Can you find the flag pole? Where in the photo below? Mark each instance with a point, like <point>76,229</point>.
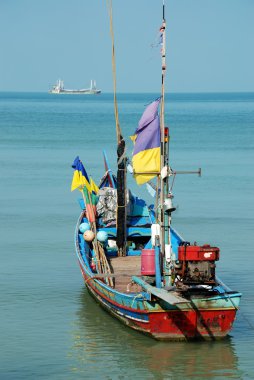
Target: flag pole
<point>102,262</point>
<point>165,211</point>
<point>93,225</point>
<point>162,127</point>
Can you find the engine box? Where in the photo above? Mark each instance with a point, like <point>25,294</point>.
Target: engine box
<point>199,272</point>
<point>198,253</point>
<point>196,264</point>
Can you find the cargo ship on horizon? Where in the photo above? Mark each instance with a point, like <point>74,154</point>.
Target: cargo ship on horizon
<point>58,88</point>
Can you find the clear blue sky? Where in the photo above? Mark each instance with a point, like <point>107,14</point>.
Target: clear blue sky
<point>209,44</point>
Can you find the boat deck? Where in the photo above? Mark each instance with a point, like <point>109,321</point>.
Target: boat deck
<point>124,268</point>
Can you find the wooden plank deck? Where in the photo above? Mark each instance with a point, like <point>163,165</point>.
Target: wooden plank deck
<point>125,268</point>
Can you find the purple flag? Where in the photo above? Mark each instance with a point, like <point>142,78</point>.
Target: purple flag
<point>149,137</point>
<point>148,131</point>
<point>149,114</point>
<point>146,153</point>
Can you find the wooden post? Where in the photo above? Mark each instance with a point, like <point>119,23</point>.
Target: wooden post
<point>121,200</point>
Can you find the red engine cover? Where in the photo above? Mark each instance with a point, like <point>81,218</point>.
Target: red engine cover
<point>198,253</point>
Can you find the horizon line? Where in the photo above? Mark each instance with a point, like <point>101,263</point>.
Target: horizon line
<point>134,92</point>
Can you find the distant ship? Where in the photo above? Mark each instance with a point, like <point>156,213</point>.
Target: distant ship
<point>58,88</point>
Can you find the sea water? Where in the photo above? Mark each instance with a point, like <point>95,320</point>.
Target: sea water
<point>50,326</point>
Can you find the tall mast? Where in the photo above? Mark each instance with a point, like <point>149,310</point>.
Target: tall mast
<point>165,197</point>
<point>121,159</point>
<point>162,124</point>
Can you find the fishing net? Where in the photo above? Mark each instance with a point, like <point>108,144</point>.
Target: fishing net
<point>107,204</point>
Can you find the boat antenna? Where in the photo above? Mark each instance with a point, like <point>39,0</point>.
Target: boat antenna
<point>121,157</point>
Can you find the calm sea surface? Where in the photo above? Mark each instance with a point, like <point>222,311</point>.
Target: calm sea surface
<point>50,326</point>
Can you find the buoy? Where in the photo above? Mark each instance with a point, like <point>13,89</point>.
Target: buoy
<point>102,236</point>
<point>84,227</point>
<point>88,235</point>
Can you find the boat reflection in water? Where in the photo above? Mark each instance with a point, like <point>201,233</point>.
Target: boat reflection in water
<point>102,347</point>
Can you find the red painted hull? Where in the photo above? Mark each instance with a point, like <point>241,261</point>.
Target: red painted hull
<point>175,325</point>
<point>187,325</point>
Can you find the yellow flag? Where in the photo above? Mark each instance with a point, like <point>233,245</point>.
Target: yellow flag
<point>94,187</point>
<point>76,183</point>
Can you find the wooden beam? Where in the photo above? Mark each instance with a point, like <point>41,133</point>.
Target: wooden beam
<point>113,275</point>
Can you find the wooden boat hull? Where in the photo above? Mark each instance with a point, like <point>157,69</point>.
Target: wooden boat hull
<point>176,294</point>
<point>201,319</point>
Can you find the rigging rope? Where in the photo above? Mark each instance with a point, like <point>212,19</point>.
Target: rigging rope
<point>118,130</point>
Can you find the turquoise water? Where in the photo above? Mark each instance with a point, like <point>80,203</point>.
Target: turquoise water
<point>50,327</point>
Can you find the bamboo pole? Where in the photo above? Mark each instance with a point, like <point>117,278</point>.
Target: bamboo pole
<point>107,269</point>
<point>121,157</point>
<point>93,225</point>
<point>118,130</point>
<point>101,258</point>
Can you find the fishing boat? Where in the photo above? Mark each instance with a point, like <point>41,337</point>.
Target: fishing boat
<point>134,263</point>
<point>58,88</point>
